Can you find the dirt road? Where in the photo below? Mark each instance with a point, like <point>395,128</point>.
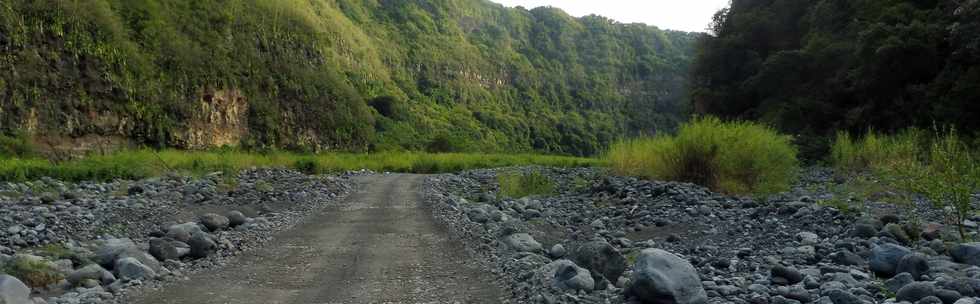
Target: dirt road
<point>379,246</point>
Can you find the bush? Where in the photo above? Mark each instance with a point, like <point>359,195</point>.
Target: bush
<point>33,273</point>
<point>16,146</point>
<point>518,185</point>
<point>874,151</point>
<point>731,157</point>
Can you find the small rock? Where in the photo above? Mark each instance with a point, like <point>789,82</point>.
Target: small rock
<point>557,251</point>
<point>201,246</point>
<point>522,242</point>
<point>968,253</point>
<point>133,269</point>
<point>914,264</point>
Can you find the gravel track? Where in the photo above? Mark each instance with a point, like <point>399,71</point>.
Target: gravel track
<point>380,245</point>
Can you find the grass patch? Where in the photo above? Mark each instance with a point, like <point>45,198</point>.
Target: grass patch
<point>518,185</point>
<point>138,164</point>
<point>941,167</point>
<point>731,157</point>
<point>33,273</point>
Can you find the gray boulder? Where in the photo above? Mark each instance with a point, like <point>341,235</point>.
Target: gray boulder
<point>968,253</point>
<point>236,218</point>
<point>896,283</point>
<point>522,242</point>
<point>662,277</point>
<point>91,272</point>
<point>601,258</point>
<point>13,291</point>
<point>183,232</point>
<point>133,269</point>
<point>915,291</point>
<point>110,250</point>
<point>564,274</point>
<point>201,246</point>
<point>885,257</point>
<point>215,222</point>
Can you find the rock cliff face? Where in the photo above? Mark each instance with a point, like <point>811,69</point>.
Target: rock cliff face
<point>456,74</point>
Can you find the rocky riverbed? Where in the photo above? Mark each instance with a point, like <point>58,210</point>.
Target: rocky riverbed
<point>94,242</point>
<point>609,239</point>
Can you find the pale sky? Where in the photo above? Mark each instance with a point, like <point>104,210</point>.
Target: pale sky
<point>683,15</point>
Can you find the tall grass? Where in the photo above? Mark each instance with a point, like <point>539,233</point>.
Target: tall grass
<point>940,167</point>
<point>732,157</point>
<point>146,163</point>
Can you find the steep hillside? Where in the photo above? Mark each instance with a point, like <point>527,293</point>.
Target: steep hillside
<point>333,74</point>
<point>814,67</point>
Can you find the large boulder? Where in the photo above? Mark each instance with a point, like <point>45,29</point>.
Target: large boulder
<point>183,232</point>
<point>133,269</point>
<point>91,272</point>
<point>564,274</point>
<point>522,242</point>
<point>141,256</point>
<point>215,222</point>
<point>13,291</point>
<point>885,257</point>
<point>662,277</point>
<point>968,253</point>
<point>110,250</point>
<point>201,245</point>
<point>601,258</point>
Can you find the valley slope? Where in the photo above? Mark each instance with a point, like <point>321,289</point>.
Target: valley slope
<point>440,75</point>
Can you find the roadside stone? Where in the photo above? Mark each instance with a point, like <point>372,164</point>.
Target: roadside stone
<point>13,291</point>
<point>564,274</point>
<point>168,249</point>
<point>236,218</point>
<point>662,277</point>
<point>183,232</point>
<point>601,258</point>
<point>111,249</point>
<point>133,269</point>
<point>522,242</point>
<point>214,222</point>
<point>838,296</point>
<point>201,246</point>
<point>91,272</point>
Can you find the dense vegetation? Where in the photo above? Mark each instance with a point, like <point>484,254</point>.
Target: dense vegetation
<point>815,67</point>
<point>438,75</point>
<point>732,157</point>
<point>148,163</point>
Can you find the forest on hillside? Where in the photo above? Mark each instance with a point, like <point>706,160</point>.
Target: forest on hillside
<point>815,67</point>
<point>439,75</point>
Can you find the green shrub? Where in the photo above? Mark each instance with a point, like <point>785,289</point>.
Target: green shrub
<point>33,273</point>
<point>518,185</point>
<point>952,177</point>
<point>18,146</point>
<point>731,157</point>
